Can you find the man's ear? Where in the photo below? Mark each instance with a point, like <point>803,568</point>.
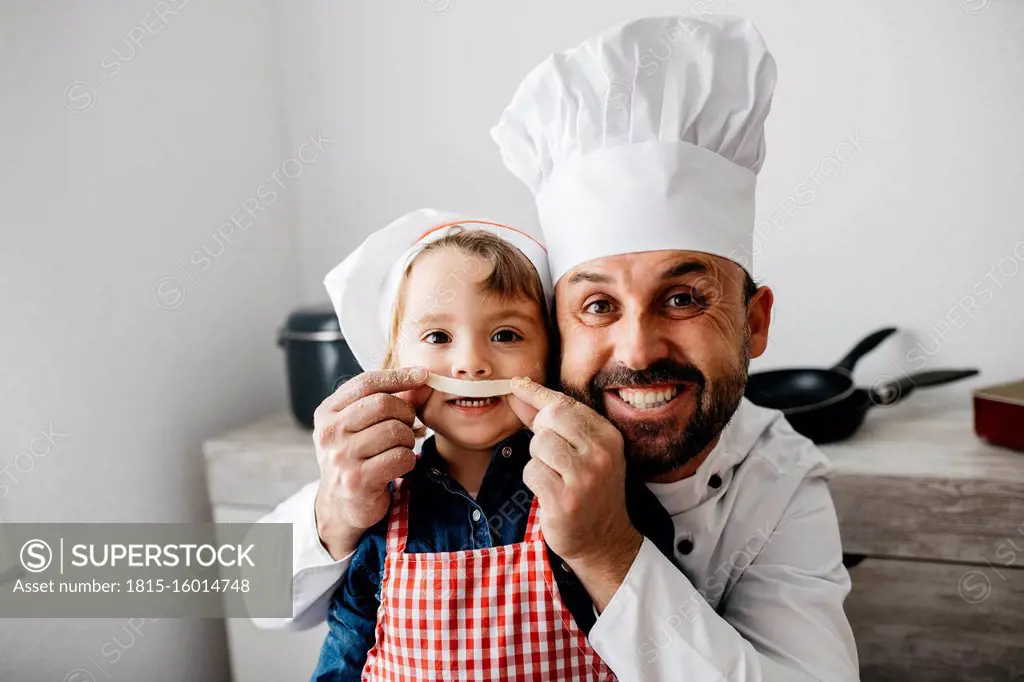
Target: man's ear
<point>759,318</point>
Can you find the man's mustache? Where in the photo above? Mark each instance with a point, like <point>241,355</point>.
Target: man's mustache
<point>660,372</point>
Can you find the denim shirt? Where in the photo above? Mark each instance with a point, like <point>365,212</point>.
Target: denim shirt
<point>443,517</point>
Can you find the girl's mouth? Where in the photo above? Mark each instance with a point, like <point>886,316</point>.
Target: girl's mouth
<point>473,406</point>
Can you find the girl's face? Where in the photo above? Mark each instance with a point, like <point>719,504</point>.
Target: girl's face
<point>451,327</point>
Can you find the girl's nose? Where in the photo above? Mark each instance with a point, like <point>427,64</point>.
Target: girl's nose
<point>466,371</point>
<point>471,364</point>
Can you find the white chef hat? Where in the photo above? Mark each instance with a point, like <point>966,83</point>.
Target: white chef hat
<point>646,137</point>
<point>364,286</point>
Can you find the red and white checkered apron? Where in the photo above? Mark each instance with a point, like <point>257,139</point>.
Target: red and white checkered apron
<point>479,614</point>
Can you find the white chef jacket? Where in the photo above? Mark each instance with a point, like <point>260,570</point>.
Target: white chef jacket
<point>760,595</point>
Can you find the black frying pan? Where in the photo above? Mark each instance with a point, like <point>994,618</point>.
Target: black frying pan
<point>839,420</point>
<point>824,404</point>
<point>796,390</point>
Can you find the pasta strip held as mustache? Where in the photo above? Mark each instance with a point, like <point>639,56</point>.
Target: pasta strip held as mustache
<point>469,389</point>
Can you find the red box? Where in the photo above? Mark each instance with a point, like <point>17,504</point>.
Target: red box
<point>999,414</point>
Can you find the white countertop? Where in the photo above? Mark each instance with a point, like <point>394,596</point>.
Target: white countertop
<point>261,463</point>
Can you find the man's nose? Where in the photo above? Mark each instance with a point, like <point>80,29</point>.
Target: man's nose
<point>639,341</point>
<point>470,361</point>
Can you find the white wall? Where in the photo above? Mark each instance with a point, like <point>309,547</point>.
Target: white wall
<point>898,235</point>
<point>98,207</point>
<point>109,186</point>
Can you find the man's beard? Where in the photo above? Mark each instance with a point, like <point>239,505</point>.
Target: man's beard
<point>658,447</point>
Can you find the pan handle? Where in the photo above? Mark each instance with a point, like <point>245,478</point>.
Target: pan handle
<point>867,345</point>
<point>894,391</point>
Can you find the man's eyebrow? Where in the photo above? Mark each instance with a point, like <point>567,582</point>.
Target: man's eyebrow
<point>678,270</point>
<point>585,276</point>
<point>684,268</point>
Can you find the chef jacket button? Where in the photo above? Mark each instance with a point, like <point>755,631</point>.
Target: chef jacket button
<point>506,452</point>
<point>565,567</point>
<point>715,481</point>
<point>685,546</point>
<point>435,472</point>
<point>476,514</point>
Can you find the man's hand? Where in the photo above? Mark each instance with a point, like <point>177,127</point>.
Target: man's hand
<point>364,440</point>
<point>577,472</point>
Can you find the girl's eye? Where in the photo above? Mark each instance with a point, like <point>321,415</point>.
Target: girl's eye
<point>598,307</point>
<point>437,337</point>
<point>506,336</point>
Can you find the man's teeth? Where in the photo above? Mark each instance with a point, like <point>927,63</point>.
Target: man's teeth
<point>473,402</point>
<point>643,398</point>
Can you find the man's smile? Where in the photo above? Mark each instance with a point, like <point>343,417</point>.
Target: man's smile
<point>653,401</point>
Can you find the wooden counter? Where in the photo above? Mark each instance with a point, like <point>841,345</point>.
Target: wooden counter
<point>939,516</point>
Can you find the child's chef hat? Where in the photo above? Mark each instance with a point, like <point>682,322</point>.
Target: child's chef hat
<point>646,137</point>
<point>363,287</point>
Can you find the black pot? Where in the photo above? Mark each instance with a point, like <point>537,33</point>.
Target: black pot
<point>317,358</point>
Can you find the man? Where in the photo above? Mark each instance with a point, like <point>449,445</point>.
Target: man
<point>641,147</point>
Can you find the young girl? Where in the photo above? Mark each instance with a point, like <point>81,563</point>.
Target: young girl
<point>456,581</point>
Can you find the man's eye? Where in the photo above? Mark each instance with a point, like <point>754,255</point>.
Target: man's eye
<point>681,300</point>
<point>599,307</point>
<point>506,336</point>
<point>436,337</point>
<point>687,299</point>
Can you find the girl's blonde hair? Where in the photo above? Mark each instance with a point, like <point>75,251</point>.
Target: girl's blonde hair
<point>513,277</point>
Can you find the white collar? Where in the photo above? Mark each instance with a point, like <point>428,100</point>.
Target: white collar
<point>737,440</point>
